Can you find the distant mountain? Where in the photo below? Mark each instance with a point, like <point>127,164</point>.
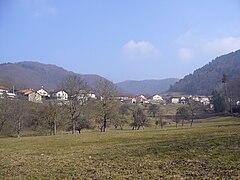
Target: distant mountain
<point>148,87</point>
<point>30,74</point>
<point>204,80</point>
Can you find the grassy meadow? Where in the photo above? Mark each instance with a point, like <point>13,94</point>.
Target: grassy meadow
<point>208,150</point>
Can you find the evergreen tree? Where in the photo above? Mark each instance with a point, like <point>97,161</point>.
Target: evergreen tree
<point>218,102</point>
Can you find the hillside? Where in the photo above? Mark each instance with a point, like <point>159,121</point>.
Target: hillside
<point>149,87</point>
<point>204,80</point>
<point>30,74</point>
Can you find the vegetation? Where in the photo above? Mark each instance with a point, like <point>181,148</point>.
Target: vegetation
<point>47,75</point>
<point>182,114</point>
<point>210,150</point>
<point>75,86</point>
<point>218,102</point>
<point>148,87</point>
<point>204,80</point>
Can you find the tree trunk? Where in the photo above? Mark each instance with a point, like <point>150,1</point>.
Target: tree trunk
<point>55,128</point>
<point>104,125</point>
<point>19,128</point>
<point>191,122</point>
<point>73,126</point>
<point>182,122</point>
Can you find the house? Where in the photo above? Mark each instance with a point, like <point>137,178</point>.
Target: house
<point>174,100</point>
<point>11,95</point>
<point>157,98</point>
<point>195,98</point>
<point>183,100</point>
<point>43,93</point>
<point>60,95</point>
<point>238,103</point>
<point>3,90</point>
<point>124,99</point>
<point>140,99</point>
<point>23,94</point>
<point>91,95</point>
<point>35,97</point>
<point>204,100</point>
<point>134,100</point>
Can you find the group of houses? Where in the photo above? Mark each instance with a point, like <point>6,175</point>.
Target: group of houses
<point>166,99</point>
<point>38,96</point>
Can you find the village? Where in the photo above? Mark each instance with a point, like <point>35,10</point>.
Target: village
<point>41,95</point>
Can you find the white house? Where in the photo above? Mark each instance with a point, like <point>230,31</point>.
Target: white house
<point>195,98</point>
<point>174,100</point>
<point>61,95</point>
<point>11,95</point>
<point>134,100</point>
<point>183,100</point>
<point>91,95</point>
<point>157,98</point>
<point>3,90</point>
<point>140,99</point>
<point>238,103</point>
<point>204,100</point>
<point>35,97</point>
<point>43,92</point>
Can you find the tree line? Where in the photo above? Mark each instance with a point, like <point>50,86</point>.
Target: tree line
<point>226,97</point>
<point>77,113</point>
<point>80,112</point>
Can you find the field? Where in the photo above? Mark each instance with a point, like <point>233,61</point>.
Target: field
<point>208,150</point>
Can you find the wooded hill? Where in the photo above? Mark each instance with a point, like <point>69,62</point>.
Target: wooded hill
<point>204,80</point>
<point>146,87</point>
<point>30,74</point>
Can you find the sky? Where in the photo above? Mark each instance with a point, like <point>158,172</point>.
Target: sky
<point>120,39</point>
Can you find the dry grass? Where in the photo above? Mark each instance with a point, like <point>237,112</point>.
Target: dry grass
<point>211,149</point>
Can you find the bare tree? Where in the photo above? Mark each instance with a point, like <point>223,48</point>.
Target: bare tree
<point>159,120</point>
<point>17,115</point>
<point>120,115</point>
<point>83,122</point>
<point>106,91</point>
<point>139,119</point>
<point>76,88</point>
<point>5,105</point>
<point>182,114</point>
<point>51,116</point>
<point>153,109</point>
<point>194,109</point>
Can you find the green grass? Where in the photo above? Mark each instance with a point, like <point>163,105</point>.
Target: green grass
<point>211,149</point>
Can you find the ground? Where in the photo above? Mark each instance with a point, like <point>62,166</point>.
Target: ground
<point>208,150</point>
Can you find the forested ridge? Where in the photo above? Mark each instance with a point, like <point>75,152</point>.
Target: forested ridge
<point>204,80</point>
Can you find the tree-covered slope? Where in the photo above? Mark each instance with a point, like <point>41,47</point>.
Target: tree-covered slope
<point>148,87</point>
<point>204,80</point>
<point>30,74</point>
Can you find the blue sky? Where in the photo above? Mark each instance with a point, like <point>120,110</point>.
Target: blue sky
<point>120,39</point>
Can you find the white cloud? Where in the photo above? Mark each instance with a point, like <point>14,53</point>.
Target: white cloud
<point>202,47</point>
<point>139,50</point>
<point>186,54</point>
<point>221,46</point>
